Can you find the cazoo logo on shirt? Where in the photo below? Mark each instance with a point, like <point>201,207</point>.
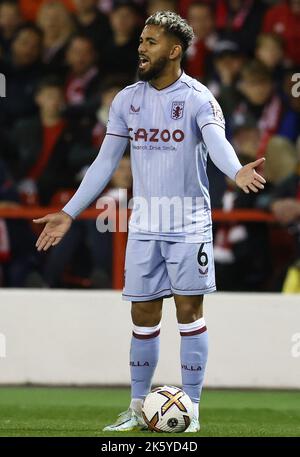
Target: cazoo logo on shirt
<point>156,135</point>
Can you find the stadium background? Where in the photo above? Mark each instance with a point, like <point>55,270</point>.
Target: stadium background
<point>63,62</point>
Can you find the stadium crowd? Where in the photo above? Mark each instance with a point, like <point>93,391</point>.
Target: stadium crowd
<point>63,63</point>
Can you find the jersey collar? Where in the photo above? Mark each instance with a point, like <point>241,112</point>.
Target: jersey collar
<point>171,87</point>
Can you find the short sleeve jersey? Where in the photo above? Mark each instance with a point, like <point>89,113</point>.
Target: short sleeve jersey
<point>168,157</point>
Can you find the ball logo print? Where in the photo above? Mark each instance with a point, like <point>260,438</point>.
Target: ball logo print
<point>172,400</point>
<point>172,422</point>
<point>167,409</point>
<point>152,423</point>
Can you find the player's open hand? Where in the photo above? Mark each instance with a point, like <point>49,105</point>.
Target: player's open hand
<point>248,179</point>
<point>57,225</point>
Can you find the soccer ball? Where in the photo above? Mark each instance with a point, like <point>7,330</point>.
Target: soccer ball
<point>167,409</point>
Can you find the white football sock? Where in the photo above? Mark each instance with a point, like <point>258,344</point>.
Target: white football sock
<point>196,410</point>
<point>136,404</point>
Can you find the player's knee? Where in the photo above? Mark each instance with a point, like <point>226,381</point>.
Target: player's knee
<point>189,312</point>
<point>146,314</point>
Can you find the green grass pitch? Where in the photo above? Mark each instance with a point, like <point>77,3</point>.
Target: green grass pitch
<point>31,411</point>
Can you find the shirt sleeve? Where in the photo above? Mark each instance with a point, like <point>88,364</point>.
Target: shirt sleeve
<point>210,113</point>
<point>98,174</point>
<point>220,150</point>
<point>116,125</point>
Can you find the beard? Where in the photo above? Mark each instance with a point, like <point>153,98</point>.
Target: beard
<point>154,71</point>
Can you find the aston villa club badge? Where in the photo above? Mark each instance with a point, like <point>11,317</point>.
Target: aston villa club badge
<point>177,110</point>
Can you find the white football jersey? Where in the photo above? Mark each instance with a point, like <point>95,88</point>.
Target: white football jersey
<point>168,157</point>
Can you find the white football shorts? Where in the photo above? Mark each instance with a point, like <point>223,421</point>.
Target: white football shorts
<point>155,269</point>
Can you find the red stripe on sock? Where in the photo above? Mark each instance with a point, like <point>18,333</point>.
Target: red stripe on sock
<point>146,337</point>
<point>194,332</point>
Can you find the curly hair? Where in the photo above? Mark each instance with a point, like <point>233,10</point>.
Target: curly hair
<point>173,24</point>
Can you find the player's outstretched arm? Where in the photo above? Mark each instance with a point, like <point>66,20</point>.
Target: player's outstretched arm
<point>93,183</point>
<point>225,158</point>
<point>57,225</point>
<point>248,179</point>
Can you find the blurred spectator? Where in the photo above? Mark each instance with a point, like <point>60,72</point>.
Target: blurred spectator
<point>246,139</point>
<point>228,61</point>
<point>280,156</point>
<point>261,101</point>
<point>56,23</point>
<point>93,131</point>
<point>269,51</point>
<point>240,21</point>
<point>241,263</point>
<point>84,239</point>
<point>22,75</point>
<point>284,19</point>
<point>183,6</point>
<point>43,155</point>
<point>8,153</point>
<point>108,93</point>
<point>10,20</point>
<point>120,56</point>
<point>91,22</point>
<point>161,5</point>
<point>83,77</point>
<point>286,209</point>
<point>281,160</point>
<point>30,8</point>
<point>106,6</point>
<point>289,96</point>
<point>18,259</point>
<point>200,17</point>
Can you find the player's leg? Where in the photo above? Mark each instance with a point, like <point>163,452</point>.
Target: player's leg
<point>144,349</point>
<point>193,347</point>
<point>191,273</point>
<point>144,352</point>
<point>146,283</point>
